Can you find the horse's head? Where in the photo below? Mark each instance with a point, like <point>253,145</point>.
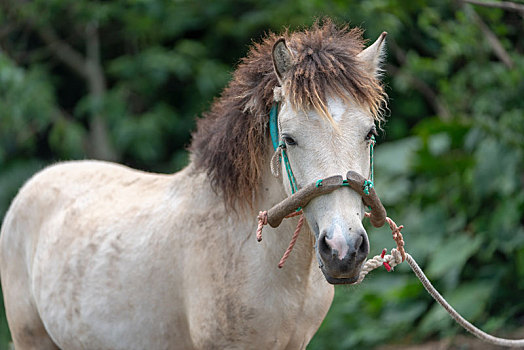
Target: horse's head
<point>327,128</point>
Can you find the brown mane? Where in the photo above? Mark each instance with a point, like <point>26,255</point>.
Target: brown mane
<point>232,139</point>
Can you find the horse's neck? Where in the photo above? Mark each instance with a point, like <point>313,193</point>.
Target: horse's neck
<point>237,277</point>
<point>275,241</point>
<point>239,228</point>
<point>245,270</point>
<point>297,292</point>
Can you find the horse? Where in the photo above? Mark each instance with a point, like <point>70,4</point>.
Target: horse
<point>96,255</point>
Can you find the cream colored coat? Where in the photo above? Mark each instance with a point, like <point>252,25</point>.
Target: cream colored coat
<point>114,258</point>
<point>95,255</point>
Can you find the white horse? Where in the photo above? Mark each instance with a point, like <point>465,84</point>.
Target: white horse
<point>95,255</point>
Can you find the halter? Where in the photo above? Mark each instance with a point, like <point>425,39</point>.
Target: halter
<point>279,143</point>
<point>301,198</point>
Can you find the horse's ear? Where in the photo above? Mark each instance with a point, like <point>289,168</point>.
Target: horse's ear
<point>282,59</point>
<point>374,54</point>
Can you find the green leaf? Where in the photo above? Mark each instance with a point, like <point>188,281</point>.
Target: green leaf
<point>452,254</point>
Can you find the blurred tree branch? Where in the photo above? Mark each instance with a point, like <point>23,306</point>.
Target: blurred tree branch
<point>91,70</point>
<point>505,5</point>
<point>99,144</point>
<point>495,43</point>
<point>427,92</point>
<point>63,51</point>
<point>88,67</point>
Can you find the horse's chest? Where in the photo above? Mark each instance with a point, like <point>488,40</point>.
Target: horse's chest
<point>277,320</point>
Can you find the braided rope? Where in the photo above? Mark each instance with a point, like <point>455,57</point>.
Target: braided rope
<point>397,256</point>
<point>397,235</point>
<point>514,343</point>
<point>275,162</point>
<point>290,176</point>
<point>278,94</point>
<point>262,221</point>
<point>293,241</point>
<point>392,260</point>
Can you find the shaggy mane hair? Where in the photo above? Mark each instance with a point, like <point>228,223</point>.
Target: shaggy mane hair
<point>232,140</point>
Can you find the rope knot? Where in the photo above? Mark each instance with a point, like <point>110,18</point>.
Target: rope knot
<point>275,162</point>
<point>262,220</point>
<point>397,256</point>
<point>367,186</point>
<point>277,94</point>
<point>397,236</point>
<point>385,263</point>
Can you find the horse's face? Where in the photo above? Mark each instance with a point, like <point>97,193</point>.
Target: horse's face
<point>318,148</point>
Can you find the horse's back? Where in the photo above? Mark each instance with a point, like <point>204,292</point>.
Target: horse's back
<point>80,191</point>
<point>74,239</point>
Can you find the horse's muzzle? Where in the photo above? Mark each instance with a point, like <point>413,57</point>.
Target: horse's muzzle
<point>341,256</point>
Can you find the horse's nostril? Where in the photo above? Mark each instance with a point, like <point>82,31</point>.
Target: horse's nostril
<point>358,242</point>
<point>323,244</point>
<point>363,246</point>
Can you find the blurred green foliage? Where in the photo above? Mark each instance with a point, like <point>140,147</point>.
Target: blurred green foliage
<point>449,165</point>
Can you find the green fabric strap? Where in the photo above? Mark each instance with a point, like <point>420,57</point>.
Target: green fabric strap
<point>368,184</point>
<point>273,125</point>
<point>273,131</point>
<point>291,177</point>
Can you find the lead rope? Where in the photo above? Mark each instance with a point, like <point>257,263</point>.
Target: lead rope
<point>262,220</point>
<point>397,256</point>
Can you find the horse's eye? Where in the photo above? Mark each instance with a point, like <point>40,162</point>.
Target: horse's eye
<point>289,140</point>
<point>372,132</point>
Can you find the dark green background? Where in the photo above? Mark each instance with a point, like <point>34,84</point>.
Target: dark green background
<point>449,164</point>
